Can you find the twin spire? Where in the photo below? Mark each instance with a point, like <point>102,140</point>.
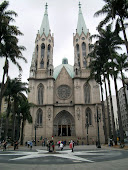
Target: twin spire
<point>45,28</point>
<point>81,27</point>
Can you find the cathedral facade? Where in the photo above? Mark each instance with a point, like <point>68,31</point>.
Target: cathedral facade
<point>65,104</point>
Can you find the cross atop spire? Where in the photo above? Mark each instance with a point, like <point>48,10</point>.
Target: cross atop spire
<point>79,5</point>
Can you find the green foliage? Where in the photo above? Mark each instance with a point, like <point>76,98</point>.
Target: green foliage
<point>115,10</point>
<point>9,47</point>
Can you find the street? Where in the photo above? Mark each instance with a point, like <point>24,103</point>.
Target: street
<point>83,157</point>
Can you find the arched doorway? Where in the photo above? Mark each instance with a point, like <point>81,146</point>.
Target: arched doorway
<point>64,124</point>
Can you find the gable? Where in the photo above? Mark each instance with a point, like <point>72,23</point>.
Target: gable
<point>63,75</point>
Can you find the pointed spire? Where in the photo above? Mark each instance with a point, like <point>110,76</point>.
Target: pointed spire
<point>81,23</point>
<point>45,23</point>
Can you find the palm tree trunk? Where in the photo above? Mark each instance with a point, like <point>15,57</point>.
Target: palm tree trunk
<point>7,117</point>
<point>103,113</point>
<point>119,113</point>
<point>124,33</point>
<point>13,122</point>
<point>18,127</point>
<point>109,124</point>
<point>22,130</point>
<point>6,129</point>
<point>112,112</point>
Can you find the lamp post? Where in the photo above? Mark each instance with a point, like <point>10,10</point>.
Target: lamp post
<point>35,126</point>
<point>98,132</point>
<point>87,125</point>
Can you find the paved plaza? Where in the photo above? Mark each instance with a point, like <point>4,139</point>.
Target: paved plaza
<point>83,157</point>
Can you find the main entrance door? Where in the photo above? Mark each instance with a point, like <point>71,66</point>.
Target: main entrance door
<point>64,130</point>
<point>64,124</point>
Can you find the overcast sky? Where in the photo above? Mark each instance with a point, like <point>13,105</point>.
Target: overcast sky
<point>63,16</point>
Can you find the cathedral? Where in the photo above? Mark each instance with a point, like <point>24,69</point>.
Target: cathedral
<point>65,104</point>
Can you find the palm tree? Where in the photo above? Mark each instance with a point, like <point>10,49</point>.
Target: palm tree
<point>7,95</point>
<point>25,111</point>
<point>14,93</point>
<point>9,48</point>
<point>118,10</point>
<point>96,73</point>
<point>112,111</point>
<point>108,113</point>
<point>107,44</point>
<point>17,90</point>
<point>114,73</point>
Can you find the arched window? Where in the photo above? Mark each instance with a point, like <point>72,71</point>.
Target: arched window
<point>39,117</point>
<point>78,53</point>
<point>77,50</point>
<point>76,71</point>
<point>88,116</point>
<point>40,94</point>
<point>84,49</point>
<point>47,63</point>
<point>48,53</point>
<point>50,72</point>
<point>42,63</point>
<point>42,50</point>
<point>37,51</point>
<point>84,63</point>
<point>36,64</point>
<point>87,93</point>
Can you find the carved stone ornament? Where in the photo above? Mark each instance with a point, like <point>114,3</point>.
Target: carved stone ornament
<point>96,86</point>
<point>64,92</point>
<point>78,113</point>
<point>77,85</point>
<point>43,39</point>
<point>49,113</point>
<point>30,87</point>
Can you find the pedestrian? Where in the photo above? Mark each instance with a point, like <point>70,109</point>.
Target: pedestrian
<point>15,145</point>
<point>30,145</point>
<point>71,145</point>
<point>53,146</point>
<point>43,142</point>
<point>111,142</point>
<point>61,146</point>
<point>47,145</point>
<point>4,145</point>
<point>58,143</point>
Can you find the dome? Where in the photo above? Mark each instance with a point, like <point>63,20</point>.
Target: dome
<point>65,64</point>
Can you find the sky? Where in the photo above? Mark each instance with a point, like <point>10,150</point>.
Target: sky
<point>63,16</point>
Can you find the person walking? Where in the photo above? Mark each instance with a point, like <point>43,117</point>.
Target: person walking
<point>61,146</point>
<point>71,145</point>
<point>30,145</point>
<point>53,146</point>
<point>4,145</point>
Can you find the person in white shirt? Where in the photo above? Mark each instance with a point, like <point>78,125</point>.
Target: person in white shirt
<point>61,146</point>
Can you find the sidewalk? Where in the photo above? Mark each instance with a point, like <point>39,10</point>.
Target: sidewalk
<point>78,147</point>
